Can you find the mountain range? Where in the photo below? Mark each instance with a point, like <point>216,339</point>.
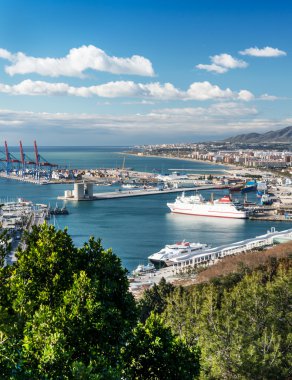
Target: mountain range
<point>281,136</point>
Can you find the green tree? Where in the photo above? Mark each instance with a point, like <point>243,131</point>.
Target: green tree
<point>241,322</point>
<point>65,311</point>
<point>5,246</point>
<point>249,336</point>
<point>182,313</point>
<point>154,299</point>
<point>154,353</point>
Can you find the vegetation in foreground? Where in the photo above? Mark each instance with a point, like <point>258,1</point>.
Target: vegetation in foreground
<point>66,313</point>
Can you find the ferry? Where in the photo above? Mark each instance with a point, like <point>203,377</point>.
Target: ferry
<point>197,205</point>
<point>180,249</point>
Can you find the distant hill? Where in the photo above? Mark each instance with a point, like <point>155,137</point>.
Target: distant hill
<point>281,136</point>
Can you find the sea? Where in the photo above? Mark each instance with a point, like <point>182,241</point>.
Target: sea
<point>134,227</point>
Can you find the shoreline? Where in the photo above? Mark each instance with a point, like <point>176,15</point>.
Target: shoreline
<point>229,166</point>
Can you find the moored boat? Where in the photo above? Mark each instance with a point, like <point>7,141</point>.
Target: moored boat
<point>249,186</point>
<point>143,269</point>
<point>197,205</point>
<point>180,249</point>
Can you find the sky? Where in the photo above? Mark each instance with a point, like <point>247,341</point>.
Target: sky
<point>132,72</point>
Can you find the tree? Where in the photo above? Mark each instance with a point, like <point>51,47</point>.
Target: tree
<point>69,309</point>
<point>182,314</point>
<point>5,246</point>
<point>249,336</point>
<point>155,299</point>
<point>154,353</point>
<point>241,322</point>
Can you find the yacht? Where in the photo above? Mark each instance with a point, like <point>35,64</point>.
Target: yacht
<point>180,249</point>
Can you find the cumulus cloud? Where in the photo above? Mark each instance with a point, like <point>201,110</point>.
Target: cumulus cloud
<point>221,63</point>
<point>212,67</point>
<point>206,90</point>
<point>128,89</point>
<point>264,52</point>
<point>5,54</point>
<point>245,95</point>
<point>76,62</point>
<point>226,60</point>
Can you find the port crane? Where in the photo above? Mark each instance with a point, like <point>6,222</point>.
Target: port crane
<point>37,168</point>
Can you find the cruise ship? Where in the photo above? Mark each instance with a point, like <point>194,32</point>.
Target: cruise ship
<point>180,249</point>
<point>197,205</point>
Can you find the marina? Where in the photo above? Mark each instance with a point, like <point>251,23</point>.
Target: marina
<point>19,216</point>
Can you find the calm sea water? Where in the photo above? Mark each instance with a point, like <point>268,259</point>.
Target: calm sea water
<point>133,227</point>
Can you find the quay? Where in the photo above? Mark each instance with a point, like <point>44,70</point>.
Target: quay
<point>84,192</point>
<point>19,216</point>
<point>208,257</point>
<point>33,180</point>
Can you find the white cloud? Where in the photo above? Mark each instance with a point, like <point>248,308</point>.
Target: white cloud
<point>5,54</point>
<point>127,89</point>
<point>180,124</point>
<point>34,88</point>
<point>264,52</point>
<point>245,95</point>
<point>221,63</point>
<point>206,90</point>
<point>212,67</point>
<point>10,122</point>
<point>76,62</point>
<point>268,97</point>
<point>227,61</point>
<point>141,102</point>
<point>230,109</point>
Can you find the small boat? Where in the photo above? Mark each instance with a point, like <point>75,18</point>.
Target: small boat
<point>249,186</point>
<point>237,187</point>
<point>143,269</point>
<point>59,211</point>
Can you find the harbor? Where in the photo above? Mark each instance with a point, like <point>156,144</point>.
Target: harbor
<point>132,225</point>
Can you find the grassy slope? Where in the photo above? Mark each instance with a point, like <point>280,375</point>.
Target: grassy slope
<point>251,260</point>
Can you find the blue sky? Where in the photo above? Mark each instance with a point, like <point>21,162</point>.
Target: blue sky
<point>143,72</point>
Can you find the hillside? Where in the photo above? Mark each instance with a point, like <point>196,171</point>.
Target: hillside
<point>282,135</point>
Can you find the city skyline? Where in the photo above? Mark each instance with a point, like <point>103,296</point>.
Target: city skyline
<point>124,73</point>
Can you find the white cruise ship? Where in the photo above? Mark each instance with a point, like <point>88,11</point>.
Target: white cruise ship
<point>180,249</point>
<point>197,205</point>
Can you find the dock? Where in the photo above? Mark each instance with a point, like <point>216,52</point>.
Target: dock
<point>207,257</point>
<point>134,193</point>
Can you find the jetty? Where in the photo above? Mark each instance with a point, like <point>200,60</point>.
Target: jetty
<point>84,192</point>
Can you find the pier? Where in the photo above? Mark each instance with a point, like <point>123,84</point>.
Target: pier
<point>84,192</point>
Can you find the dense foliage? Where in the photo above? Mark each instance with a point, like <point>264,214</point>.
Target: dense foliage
<point>66,313</point>
<point>241,322</point>
<point>154,353</point>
